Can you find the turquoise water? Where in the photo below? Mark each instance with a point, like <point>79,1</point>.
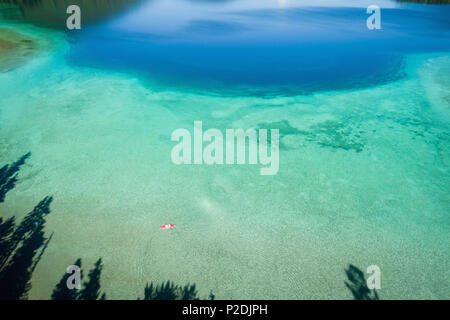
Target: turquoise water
<point>364,153</point>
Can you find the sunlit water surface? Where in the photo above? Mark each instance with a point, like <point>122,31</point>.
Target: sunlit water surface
<point>364,158</point>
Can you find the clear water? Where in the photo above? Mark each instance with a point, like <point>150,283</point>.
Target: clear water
<point>263,47</point>
<point>364,159</point>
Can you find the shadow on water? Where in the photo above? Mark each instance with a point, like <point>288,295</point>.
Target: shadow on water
<point>358,286</point>
<point>61,292</point>
<point>53,13</point>
<point>22,246</point>
<point>91,288</point>
<point>170,291</point>
<point>8,175</point>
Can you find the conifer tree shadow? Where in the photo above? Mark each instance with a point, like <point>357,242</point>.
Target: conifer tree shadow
<point>358,286</point>
<point>22,249</point>
<point>8,175</point>
<point>61,291</point>
<point>90,290</point>
<point>22,246</point>
<point>170,291</point>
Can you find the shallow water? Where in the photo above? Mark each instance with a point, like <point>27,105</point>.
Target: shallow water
<point>364,159</point>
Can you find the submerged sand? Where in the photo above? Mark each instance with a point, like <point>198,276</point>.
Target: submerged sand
<point>16,48</point>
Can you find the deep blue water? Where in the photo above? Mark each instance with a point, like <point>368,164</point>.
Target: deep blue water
<point>218,47</point>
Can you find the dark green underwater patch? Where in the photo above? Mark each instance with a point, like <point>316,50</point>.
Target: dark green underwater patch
<point>330,134</point>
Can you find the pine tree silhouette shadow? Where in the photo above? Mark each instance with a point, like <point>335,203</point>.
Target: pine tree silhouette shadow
<point>21,250</point>
<point>358,286</point>
<point>61,291</point>
<point>8,175</point>
<point>90,290</point>
<point>22,246</point>
<point>170,291</point>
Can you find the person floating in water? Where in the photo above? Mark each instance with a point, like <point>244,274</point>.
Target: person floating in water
<point>167,226</point>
